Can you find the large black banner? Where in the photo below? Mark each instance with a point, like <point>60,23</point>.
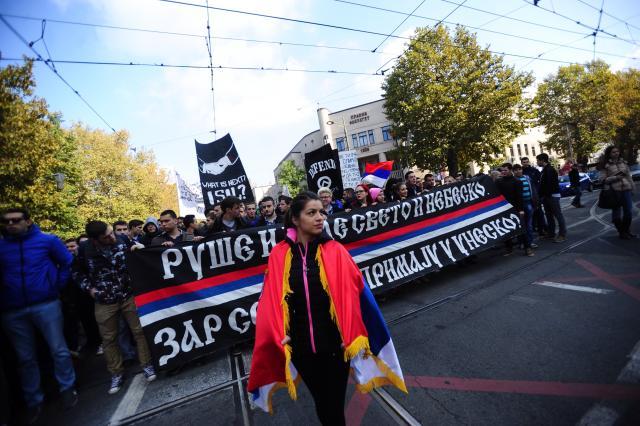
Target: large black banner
<point>199,297</point>
<point>323,170</point>
<point>221,172</point>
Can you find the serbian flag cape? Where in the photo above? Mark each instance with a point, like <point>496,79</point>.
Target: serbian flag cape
<point>365,336</point>
<point>378,173</point>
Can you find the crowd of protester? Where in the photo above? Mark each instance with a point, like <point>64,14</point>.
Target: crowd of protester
<point>76,294</point>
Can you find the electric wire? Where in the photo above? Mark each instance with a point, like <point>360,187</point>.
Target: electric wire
<point>398,26</point>
<point>55,71</point>
<point>451,13</point>
<point>595,33</point>
<point>608,14</point>
<point>210,51</point>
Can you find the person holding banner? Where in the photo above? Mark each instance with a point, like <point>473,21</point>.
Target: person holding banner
<point>315,322</point>
<point>363,199</point>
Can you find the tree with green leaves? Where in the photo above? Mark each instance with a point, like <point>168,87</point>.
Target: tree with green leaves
<point>627,135</point>
<point>454,102</point>
<point>33,147</point>
<point>579,107</point>
<point>291,176</point>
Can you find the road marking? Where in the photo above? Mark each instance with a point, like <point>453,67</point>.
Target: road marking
<point>131,399</point>
<point>610,279</point>
<point>572,287</point>
<point>592,278</point>
<point>599,415</point>
<point>577,390</point>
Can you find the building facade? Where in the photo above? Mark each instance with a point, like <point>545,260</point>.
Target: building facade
<point>366,129</point>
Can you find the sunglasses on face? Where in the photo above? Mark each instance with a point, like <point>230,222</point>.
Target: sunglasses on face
<point>360,191</point>
<point>11,220</point>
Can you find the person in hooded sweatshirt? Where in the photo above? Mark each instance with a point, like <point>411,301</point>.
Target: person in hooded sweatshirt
<point>151,230</point>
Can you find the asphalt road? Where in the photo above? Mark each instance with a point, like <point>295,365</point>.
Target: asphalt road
<point>551,339</point>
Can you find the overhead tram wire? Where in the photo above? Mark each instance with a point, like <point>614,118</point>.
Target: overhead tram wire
<point>210,51</point>
<point>321,24</point>
<point>400,24</point>
<point>180,34</point>
<point>285,43</point>
<point>500,17</point>
<point>48,63</point>
<point>608,14</point>
<point>595,33</point>
<point>187,66</point>
<point>409,47</point>
<point>578,22</point>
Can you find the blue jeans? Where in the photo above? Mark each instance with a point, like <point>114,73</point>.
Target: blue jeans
<point>20,325</point>
<point>528,224</point>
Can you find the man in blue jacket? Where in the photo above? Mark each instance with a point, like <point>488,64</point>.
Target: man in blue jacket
<point>34,267</point>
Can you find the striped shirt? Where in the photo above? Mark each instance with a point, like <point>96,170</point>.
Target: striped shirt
<point>526,188</point>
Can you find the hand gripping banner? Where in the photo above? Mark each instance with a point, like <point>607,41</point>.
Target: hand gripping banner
<point>196,298</point>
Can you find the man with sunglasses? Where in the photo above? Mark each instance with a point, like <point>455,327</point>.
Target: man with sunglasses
<point>34,267</point>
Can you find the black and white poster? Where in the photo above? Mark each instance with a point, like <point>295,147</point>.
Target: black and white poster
<point>323,170</point>
<point>221,172</point>
<point>198,297</point>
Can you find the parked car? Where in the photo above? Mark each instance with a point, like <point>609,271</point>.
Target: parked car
<point>635,171</point>
<point>594,175</point>
<point>565,185</point>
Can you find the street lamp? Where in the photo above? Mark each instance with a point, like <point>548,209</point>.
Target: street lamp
<point>344,127</point>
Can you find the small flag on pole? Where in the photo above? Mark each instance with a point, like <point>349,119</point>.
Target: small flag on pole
<point>378,173</point>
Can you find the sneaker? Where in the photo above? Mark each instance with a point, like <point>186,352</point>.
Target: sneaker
<point>149,372</point>
<point>69,398</point>
<point>116,383</point>
<point>534,245</point>
<point>100,350</point>
<point>528,252</point>
<point>33,414</point>
<point>560,239</point>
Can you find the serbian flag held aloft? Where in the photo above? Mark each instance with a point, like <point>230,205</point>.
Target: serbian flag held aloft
<point>365,337</point>
<point>378,173</point>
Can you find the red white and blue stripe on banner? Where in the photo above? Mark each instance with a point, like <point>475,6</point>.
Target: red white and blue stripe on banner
<point>163,303</point>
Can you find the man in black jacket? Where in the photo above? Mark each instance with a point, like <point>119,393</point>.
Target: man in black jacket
<point>511,189</point>
<point>539,221</point>
<point>574,180</point>
<point>230,220</point>
<point>550,197</point>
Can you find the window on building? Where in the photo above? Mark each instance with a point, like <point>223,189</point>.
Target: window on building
<point>340,143</point>
<point>526,149</point>
<point>386,133</point>
<point>519,151</point>
<point>372,139</point>
<point>362,139</point>
<point>354,140</point>
<point>511,151</point>
<point>533,150</point>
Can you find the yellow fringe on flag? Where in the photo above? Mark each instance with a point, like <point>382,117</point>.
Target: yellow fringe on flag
<point>286,290</point>
<point>359,343</point>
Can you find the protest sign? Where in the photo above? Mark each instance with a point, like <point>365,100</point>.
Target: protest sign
<point>195,298</point>
<point>221,172</point>
<point>323,170</point>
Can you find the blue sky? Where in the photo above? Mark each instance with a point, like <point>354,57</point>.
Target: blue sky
<point>268,112</point>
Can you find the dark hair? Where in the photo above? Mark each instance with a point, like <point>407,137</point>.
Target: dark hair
<point>23,210</point>
<point>96,228</point>
<point>524,158</point>
<point>517,167</point>
<point>406,175</point>
<point>81,236</point>
<point>170,213</point>
<point>507,165</point>
<point>297,205</point>
<point>606,156</point>
<point>388,189</point>
<point>267,198</point>
<point>428,175</point>
<point>188,220</point>
<point>396,189</point>
<point>286,199</point>
<point>543,157</point>
<point>229,203</point>
<point>119,222</point>
<point>135,222</point>
<point>70,240</point>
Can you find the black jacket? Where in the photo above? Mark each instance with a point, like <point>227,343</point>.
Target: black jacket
<point>219,226</point>
<point>262,222</point>
<point>549,184</point>
<point>574,178</point>
<point>534,174</point>
<point>325,332</point>
<point>511,188</point>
